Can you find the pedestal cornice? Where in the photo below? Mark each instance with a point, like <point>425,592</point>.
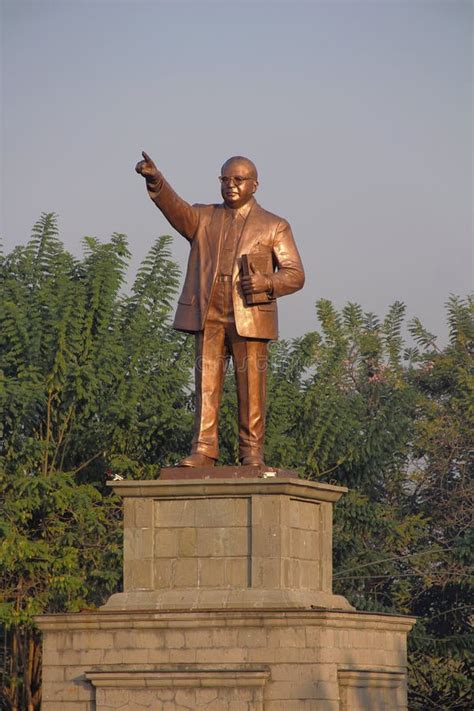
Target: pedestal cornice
<point>229,487</point>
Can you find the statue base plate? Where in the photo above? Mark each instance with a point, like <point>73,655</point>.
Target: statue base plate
<point>227,472</point>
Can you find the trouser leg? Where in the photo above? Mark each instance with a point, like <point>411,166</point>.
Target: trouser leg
<point>250,356</point>
<point>210,366</point>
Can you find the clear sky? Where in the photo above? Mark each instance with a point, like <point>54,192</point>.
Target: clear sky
<point>358,114</point>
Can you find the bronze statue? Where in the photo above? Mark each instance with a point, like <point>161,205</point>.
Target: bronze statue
<point>229,298</point>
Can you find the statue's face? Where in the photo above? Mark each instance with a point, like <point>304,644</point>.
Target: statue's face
<point>238,182</point>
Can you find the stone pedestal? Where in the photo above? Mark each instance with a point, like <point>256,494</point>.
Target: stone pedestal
<point>227,606</point>
<point>209,544</point>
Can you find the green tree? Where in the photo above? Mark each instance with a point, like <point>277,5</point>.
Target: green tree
<point>440,485</point>
<point>92,382</point>
<point>395,425</point>
<point>354,424</point>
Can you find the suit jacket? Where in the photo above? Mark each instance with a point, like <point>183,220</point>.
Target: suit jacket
<point>263,232</point>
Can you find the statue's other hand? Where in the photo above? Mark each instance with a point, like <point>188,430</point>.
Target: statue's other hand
<point>255,283</point>
<point>147,168</point>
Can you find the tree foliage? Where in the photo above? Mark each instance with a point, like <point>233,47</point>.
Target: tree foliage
<point>395,424</point>
<point>94,383</point>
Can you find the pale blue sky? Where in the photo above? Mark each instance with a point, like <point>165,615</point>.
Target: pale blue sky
<point>358,115</point>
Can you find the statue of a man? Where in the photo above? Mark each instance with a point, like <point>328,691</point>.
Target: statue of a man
<point>242,259</point>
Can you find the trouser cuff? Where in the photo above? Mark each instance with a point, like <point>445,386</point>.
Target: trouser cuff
<point>206,449</point>
<point>250,452</point>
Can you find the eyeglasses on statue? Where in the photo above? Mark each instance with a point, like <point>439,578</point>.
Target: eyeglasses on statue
<point>236,179</point>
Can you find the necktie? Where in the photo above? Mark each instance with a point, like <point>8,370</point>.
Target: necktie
<point>230,244</point>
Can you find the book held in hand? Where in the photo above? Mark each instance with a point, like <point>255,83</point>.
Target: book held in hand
<point>261,263</point>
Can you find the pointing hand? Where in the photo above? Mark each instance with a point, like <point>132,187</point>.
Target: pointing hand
<point>148,169</point>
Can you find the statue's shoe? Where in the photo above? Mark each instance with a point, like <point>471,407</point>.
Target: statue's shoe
<point>252,460</point>
<point>197,460</point>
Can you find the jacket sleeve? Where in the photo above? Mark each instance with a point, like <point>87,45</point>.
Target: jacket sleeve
<point>179,213</point>
<point>289,276</point>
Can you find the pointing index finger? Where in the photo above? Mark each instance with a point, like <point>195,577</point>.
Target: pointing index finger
<point>147,157</point>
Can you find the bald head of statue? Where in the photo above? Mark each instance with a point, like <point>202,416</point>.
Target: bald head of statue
<point>239,181</point>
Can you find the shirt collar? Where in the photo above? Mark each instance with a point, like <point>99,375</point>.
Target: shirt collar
<point>241,212</point>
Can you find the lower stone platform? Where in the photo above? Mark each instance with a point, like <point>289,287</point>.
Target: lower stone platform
<point>231,660</point>
<point>227,606</point>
